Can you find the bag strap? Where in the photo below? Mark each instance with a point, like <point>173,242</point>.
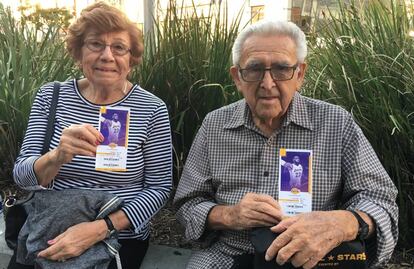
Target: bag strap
<point>51,118</point>
<point>11,199</point>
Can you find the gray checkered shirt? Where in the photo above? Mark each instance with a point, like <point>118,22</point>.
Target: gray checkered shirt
<point>230,157</point>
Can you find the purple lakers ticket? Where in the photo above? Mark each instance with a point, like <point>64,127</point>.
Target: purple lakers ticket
<point>295,181</point>
<point>111,154</point>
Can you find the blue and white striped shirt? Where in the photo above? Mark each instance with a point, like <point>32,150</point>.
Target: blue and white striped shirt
<point>146,184</point>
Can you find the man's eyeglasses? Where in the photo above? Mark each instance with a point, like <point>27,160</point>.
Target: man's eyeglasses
<point>117,49</point>
<point>277,72</point>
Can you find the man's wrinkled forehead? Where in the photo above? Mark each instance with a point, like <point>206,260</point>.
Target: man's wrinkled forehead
<point>279,49</point>
<point>259,63</point>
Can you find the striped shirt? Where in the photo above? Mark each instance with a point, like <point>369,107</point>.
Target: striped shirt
<point>146,184</point>
<point>230,157</point>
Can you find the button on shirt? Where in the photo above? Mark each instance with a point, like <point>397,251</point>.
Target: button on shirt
<point>230,157</point>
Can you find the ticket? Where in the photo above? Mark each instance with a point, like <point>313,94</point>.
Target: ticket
<point>111,154</point>
<point>295,181</point>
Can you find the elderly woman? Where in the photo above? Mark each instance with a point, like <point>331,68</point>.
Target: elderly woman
<point>106,46</point>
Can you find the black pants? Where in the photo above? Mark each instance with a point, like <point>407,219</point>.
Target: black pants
<point>14,265</point>
<point>132,253</point>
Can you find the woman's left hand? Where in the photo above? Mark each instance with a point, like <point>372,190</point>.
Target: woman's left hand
<point>74,241</point>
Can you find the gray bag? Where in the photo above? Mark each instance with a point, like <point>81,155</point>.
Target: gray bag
<point>51,212</point>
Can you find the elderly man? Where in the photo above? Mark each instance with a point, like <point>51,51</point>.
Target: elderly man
<point>230,181</point>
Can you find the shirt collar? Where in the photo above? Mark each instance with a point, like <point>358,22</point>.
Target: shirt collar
<point>297,113</point>
<point>239,117</point>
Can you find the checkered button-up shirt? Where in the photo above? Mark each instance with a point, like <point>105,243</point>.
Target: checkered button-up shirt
<point>230,157</point>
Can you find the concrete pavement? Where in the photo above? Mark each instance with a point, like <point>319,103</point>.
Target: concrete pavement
<point>4,260</point>
<point>158,257</point>
<point>5,252</point>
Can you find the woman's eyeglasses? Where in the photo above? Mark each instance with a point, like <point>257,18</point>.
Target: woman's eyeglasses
<point>117,49</point>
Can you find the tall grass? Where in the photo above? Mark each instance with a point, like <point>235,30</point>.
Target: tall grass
<point>186,63</point>
<point>365,63</point>
<point>28,59</point>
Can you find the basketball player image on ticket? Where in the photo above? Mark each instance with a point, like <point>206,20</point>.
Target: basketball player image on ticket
<point>295,181</point>
<point>111,154</point>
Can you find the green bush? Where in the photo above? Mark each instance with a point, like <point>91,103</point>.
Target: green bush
<point>44,18</point>
<point>186,63</point>
<point>28,59</point>
<point>363,60</point>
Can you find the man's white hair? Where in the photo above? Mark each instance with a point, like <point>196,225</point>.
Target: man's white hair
<point>271,28</point>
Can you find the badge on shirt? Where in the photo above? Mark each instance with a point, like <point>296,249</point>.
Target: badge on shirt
<point>111,154</point>
<point>295,181</point>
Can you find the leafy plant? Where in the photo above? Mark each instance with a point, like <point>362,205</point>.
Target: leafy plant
<point>44,18</point>
<point>363,60</point>
<point>186,63</point>
<point>28,59</point>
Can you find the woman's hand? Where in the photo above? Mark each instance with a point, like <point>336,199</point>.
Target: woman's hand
<point>77,140</point>
<point>75,240</point>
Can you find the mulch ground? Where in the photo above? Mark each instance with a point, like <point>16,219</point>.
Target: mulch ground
<point>165,230</point>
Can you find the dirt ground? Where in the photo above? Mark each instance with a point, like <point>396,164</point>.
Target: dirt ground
<point>165,230</point>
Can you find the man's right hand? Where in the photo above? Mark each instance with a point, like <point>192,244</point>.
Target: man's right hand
<point>253,210</point>
<point>288,165</point>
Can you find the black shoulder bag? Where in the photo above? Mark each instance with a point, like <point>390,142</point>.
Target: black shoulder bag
<point>347,255</point>
<point>16,215</point>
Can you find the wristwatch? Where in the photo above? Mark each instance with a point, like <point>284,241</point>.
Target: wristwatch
<point>111,229</point>
<point>363,228</point>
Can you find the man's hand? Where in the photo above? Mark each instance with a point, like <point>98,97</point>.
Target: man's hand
<point>288,166</point>
<point>253,210</point>
<point>74,241</point>
<point>306,238</point>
